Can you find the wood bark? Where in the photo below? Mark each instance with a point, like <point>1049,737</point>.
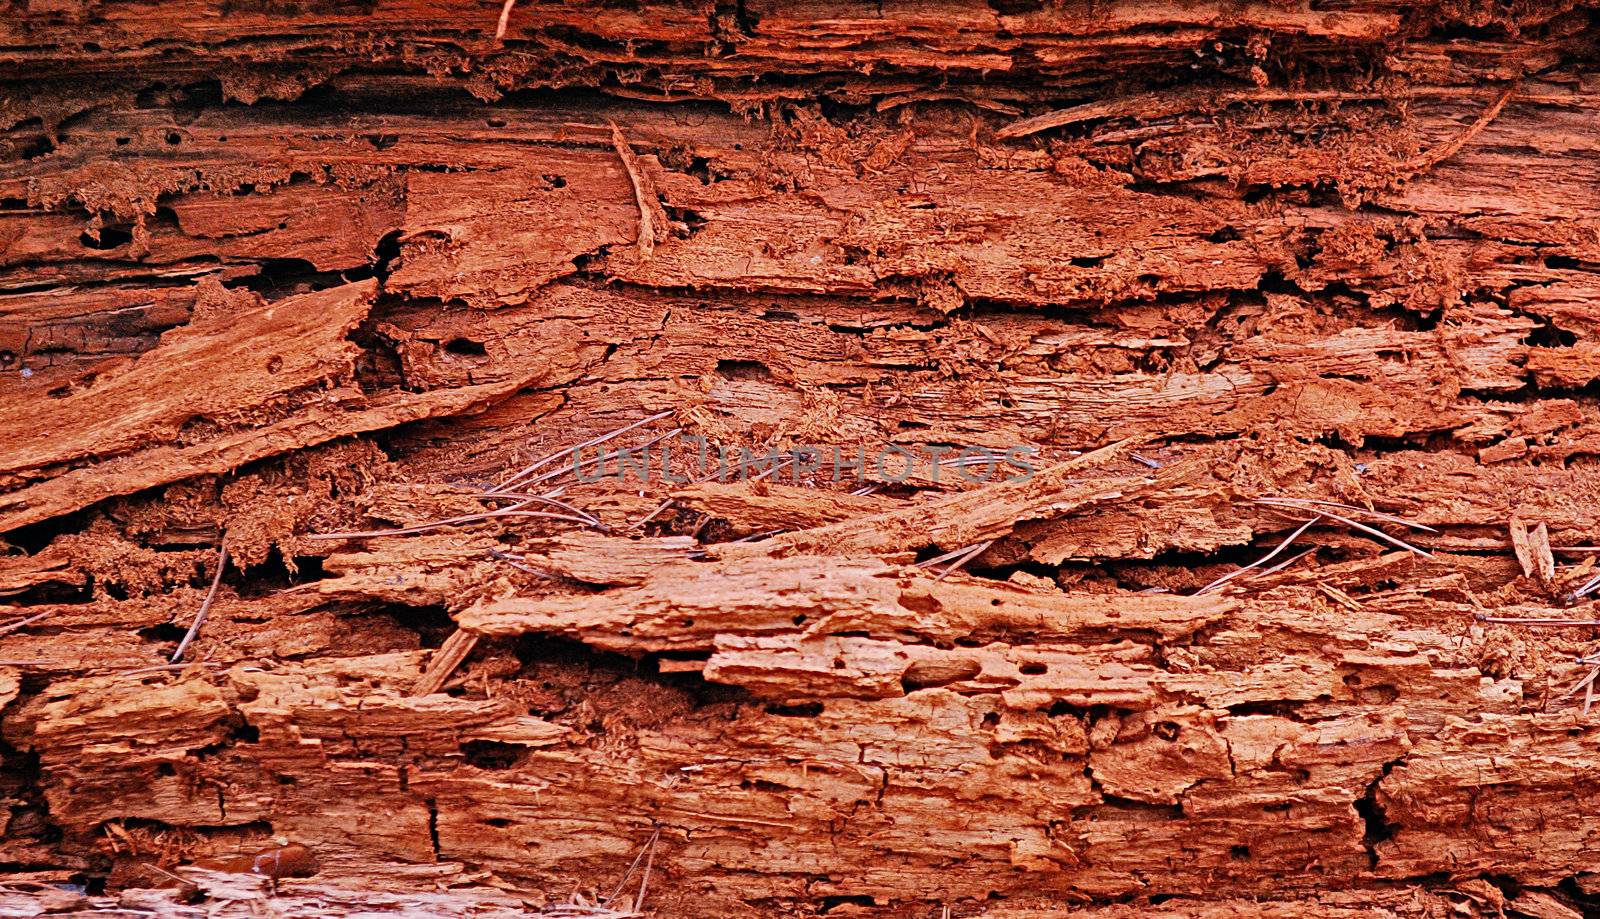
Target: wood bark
<point>275,272</point>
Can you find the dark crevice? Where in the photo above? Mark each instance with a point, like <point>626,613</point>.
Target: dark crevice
<point>34,537</point>
<point>493,755</point>
<point>433,829</point>
<point>432,624</point>
<point>106,238</point>
<point>798,710</point>
<point>277,278</point>
<point>465,347</point>
<point>1378,827</point>
<point>384,256</point>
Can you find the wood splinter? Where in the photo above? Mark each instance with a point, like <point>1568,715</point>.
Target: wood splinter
<point>652,219</point>
<point>445,661</point>
<point>1532,548</point>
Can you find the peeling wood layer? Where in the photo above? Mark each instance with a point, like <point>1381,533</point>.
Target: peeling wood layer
<point>293,275</point>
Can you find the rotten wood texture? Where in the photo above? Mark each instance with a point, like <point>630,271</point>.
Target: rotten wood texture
<point>289,271</point>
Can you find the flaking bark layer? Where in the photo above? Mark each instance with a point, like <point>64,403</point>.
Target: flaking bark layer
<point>273,272</point>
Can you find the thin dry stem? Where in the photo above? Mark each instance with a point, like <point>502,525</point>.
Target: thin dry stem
<point>649,862</point>
<point>1583,685</point>
<point>632,867</point>
<point>1282,565</point>
<point>1373,531</point>
<point>10,627</point>
<point>1217,584</point>
<point>593,442</point>
<point>1314,503</point>
<point>1587,588</point>
<point>540,499</point>
<point>603,458</point>
<point>966,555</point>
<point>764,474</point>
<point>514,510</point>
<point>205,605</point>
<point>939,559</point>
<point>153,668</point>
<point>647,854</point>
<point>660,509</point>
<point>516,561</point>
<point>505,20</point>
<point>1538,620</point>
<point>756,537</point>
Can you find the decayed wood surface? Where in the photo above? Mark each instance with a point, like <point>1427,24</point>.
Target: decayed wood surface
<point>275,272</point>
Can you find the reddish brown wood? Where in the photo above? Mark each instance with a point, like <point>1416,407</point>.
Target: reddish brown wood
<point>286,271</point>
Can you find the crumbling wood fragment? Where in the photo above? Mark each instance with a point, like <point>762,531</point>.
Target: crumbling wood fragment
<point>1248,283</point>
<point>966,517</point>
<point>865,596</point>
<point>766,507</point>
